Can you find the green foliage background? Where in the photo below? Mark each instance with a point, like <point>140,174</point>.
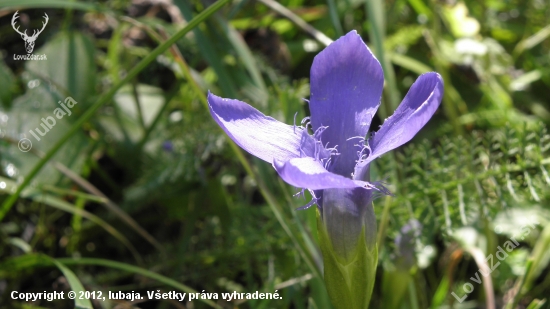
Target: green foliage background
<point>139,190</point>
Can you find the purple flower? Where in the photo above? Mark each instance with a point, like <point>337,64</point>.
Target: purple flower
<point>333,163</point>
<point>405,244</point>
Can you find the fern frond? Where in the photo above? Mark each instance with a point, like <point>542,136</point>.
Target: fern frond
<point>461,179</point>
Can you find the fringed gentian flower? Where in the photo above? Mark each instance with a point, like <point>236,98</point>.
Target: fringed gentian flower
<point>333,162</point>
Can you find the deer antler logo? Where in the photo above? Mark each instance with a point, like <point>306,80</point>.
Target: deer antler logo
<point>29,40</point>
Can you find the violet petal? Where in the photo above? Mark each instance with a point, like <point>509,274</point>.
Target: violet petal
<point>309,173</point>
<point>346,87</point>
<point>413,113</point>
<point>260,135</point>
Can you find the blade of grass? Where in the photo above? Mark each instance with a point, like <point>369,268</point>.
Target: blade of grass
<point>539,263</point>
<point>68,18</point>
<point>377,33</point>
<point>54,202</point>
<point>23,262</point>
<point>244,53</point>
<point>513,302</point>
<point>316,34</point>
<point>306,236</point>
<point>32,260</point>
<point>171,94</point>
<point>209,53</point>
<point>446,282</point>
<point>236,8</point>
<point>136,270</point>
<point>76,224</point>
<point>76,286</point>
<point>333,11</point>
<point>20,243</point>
<point>137,102</point>
<point>409,63</point>
<point>25,4</point>
<point>532,41</point>
<point>78,194</point>
<point>536,304</point>
<point>6,206</point>
<point>453,104</point>
<point>90,188</point>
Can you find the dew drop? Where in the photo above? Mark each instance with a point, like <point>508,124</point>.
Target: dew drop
<point>176,116</point>
<point>11,170</point>
<point>4,118</point>
<point>33,83</point>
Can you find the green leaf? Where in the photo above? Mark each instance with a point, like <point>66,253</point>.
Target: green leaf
<point>125,122</point>
<point>349,286</point>
<point>395,284</point>
<point>25,120</point>
<point>69,65</point>
<point>7,80</point>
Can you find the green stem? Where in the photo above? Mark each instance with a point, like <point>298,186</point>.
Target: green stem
<point>513,303</point>
<point>74,193</point>
<point>6,206</point>
<point>137,102</point>
<point>159,115</point>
